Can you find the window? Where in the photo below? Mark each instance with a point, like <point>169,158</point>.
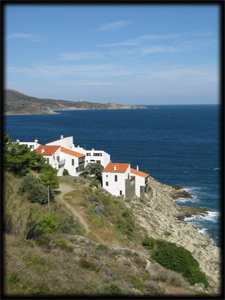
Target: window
<point>47,160</point>
<point>88,154</point>
<point>115,177</point>
<point>98,161</point>
<point>106,176</point>
<point>72,162</point>
<point>107,184</point>
<point>57,158</point>
<point>121,193</point>
<point>97,154</point>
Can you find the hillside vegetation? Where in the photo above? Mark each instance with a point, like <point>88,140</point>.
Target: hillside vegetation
<point>48,251</point>
<point>18,103</point>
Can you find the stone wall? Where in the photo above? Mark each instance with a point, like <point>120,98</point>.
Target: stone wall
<point>143,191</point>
<point>130,188</point>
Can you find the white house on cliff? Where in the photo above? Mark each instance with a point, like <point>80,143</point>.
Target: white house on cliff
<point>62,154</point>
<point>120,180</point>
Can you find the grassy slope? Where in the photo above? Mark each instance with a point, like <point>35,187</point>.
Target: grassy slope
<point>43,267</point>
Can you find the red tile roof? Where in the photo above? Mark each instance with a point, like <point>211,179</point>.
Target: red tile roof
<point>139,173</point>
<point>49,150</point>
<point>73,153</point>
<point>120,168</point>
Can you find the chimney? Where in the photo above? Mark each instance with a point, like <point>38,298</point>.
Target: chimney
<point>93,149</point>
<point>114,168</point>
<point>137,168</point>
<point>42,150</point>
<point>18,141</point>
<point>36,141</point>
<point>61,136</point>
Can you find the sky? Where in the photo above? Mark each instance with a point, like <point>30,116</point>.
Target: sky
<point>126,54</point>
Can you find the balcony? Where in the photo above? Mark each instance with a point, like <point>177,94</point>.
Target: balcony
<point>61,162</point>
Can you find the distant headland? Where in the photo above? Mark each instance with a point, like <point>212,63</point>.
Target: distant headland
<point>16,103</point>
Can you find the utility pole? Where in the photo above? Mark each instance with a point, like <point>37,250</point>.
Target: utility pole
<point>48,201</point>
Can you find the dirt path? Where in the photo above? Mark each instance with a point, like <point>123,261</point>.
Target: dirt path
<point>66,189</point>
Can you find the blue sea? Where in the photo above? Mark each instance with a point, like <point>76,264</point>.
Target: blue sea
<point>175,144</point>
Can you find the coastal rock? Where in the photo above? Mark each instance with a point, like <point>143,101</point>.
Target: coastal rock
<point>159,215</point>
<point>192,211</point>
<point>175,194</point>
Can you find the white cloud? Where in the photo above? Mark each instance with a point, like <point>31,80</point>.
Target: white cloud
<point>157,49</point>
<point>113,26</point>
<point>140,39</point>
<point>31,37</point>
<point>93,71</point>
<point>80,55</point>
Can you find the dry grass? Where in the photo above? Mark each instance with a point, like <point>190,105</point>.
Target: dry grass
<point>34,269</point>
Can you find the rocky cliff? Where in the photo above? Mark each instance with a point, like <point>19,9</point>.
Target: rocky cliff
<point>160,214</point>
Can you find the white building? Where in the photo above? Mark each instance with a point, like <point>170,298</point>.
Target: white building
<point>61,158</point>
<point>120,180</point>
<point>92,156</point>
<point>62,154</point>
<point>66,142</point>
<point>97,156</point>
<point>114,178</point>
<point>32,145</point>
<point>141,181</point>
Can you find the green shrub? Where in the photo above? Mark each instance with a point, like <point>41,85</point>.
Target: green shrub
<point>146,276</point>
<point>88,265</point>
<point>65,172</point>
<point>135,281</point>
<point>47,225</point>
<point>12,278</point>
<point>93,183</point>
<point>167,233</point>
<point>148,243</point>
<point>194,275</point>
<point>36,191</point>
<point>91,285</point>
<point>112,289</point>
<point>102,247</point>
<point>127,213</point>
<point>66,224</point>
<point>63,245</point>
<point>43,241</point>
<point>180,260</point>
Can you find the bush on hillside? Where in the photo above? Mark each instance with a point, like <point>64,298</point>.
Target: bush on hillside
<point>180,260</point>
<point>36,191</point>
<point>65,172</point>
<point>112,289</point>
<point>148,243</point>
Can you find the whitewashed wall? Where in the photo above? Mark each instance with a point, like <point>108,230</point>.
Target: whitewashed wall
<point>66,142</point>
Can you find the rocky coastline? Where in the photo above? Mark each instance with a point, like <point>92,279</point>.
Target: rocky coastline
<point>162,218</point>
<point>177,192</point>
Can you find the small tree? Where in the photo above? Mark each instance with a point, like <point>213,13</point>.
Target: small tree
<point>36,191</point>
<point>65,172</point>
<point>93,168</point>
<point>19,159</point>
<point>49,177</point>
